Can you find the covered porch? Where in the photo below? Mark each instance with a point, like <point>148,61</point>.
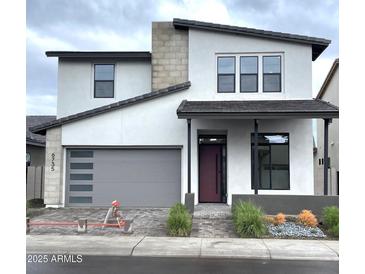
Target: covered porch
<point>257,125</point>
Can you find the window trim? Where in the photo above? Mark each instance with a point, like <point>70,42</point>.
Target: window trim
<point>227,74</point>
<point>251,145</point>
<point>257,73</point>
<point>101,64</point>
<point>263,74</point>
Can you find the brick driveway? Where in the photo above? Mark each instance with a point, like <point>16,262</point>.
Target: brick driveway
<point>210,221</point>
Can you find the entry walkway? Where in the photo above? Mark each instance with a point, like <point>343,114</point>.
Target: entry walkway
<point>213,221</point>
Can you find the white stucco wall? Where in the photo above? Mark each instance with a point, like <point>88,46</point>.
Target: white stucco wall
<point>204,47</point>
<point>155,122</point>
<point>76,84</point>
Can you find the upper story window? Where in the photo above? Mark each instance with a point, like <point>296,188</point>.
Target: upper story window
<point>271,74</point>
<point>226,74</point>
<point>259,72</point>
<point>249,74</point>
<point>104,81</point>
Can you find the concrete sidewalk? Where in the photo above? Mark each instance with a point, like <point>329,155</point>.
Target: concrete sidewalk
<point>267,249</point>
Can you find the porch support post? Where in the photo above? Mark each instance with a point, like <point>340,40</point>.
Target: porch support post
<point>325,156</point>
<point>189,155</point>
<point>256,159</point>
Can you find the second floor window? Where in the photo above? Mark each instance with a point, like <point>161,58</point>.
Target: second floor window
<point>104,81</point>
<point>226,74</point>
<point>249,74</point>
<point>272,74</point>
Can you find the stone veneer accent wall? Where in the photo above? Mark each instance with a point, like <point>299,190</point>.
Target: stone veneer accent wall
<point>169,55</point>
<point>53,173</point>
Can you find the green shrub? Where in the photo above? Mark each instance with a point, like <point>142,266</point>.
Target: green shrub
<point>179,221</point>
<point>248,220</point>
<point>35,203</point>
<point>331,220</point>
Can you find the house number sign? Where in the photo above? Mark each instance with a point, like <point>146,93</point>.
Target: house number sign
<point>52,161</point>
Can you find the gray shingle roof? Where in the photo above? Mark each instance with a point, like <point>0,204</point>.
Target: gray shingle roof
<point>318,44</point>
<point>34,120</point>
<point>41,129</point>
<point>258,109</point>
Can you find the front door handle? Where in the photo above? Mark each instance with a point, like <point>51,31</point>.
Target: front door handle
<point>216,173</point>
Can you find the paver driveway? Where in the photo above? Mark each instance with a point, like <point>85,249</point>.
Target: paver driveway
<point>147,221</point>
<point>210,221</point>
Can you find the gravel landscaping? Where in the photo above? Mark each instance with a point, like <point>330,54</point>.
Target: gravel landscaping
<point>294,230</point>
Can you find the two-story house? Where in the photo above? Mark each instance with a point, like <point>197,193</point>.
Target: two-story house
<point>213,110</point>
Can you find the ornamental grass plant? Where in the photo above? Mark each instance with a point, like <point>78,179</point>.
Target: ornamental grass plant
<point>248,220</point>
<point>179,221</point>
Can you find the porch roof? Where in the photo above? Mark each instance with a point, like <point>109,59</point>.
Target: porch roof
<point>257,109</point>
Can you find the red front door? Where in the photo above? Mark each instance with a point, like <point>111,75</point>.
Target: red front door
<point>210,170</point>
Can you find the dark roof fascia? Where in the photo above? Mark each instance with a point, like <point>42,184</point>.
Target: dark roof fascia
<point>35,143</point>
<point>100,54</point>
<point>328,79</point>
<point>41,129</point>
<point>259,115</point>
<point>318,44</point>
<point>310,114</point>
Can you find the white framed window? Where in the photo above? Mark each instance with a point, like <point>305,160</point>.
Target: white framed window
<point>261,72</point>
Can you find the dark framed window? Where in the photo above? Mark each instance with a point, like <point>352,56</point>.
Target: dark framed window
<point>82,154</point>
<point>81,165</point>
<point>273,152</point>
<point>248,74</point>
<point>226,70</point>
<point>80,199</point>
<point>81,187</point>
<point>81,176</point>
<point>104,81</point>
<point>271,73</point>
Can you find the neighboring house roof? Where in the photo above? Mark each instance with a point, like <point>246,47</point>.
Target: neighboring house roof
<point>34,120</point>
<point>328,78</point>
<point>266,109</point>
<point>101,54</point>
<point>318,44</point>
<point>41,129</point>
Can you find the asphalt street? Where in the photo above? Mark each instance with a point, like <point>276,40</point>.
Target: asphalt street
<point>151,265</point>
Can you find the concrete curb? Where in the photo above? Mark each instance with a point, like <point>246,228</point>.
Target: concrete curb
<point>264,249</point>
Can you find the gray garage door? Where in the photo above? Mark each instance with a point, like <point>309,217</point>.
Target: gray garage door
<point>135,177</point>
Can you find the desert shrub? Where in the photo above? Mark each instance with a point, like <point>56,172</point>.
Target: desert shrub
<point>331,220</point>
<point>179,221</point>
<point>307,218</point>
<point>248,220</point>
<point>279,219</point>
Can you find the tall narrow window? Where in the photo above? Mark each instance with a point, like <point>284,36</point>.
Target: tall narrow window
<point>273,161</point>
<point>104,81</point>
<point>226,74</point>
<point>248,74</point>
<point>272,74</point>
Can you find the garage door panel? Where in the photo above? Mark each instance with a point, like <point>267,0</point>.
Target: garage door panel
<point>136,177</point>
<point>152,164</point>
<point>140,194</point>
